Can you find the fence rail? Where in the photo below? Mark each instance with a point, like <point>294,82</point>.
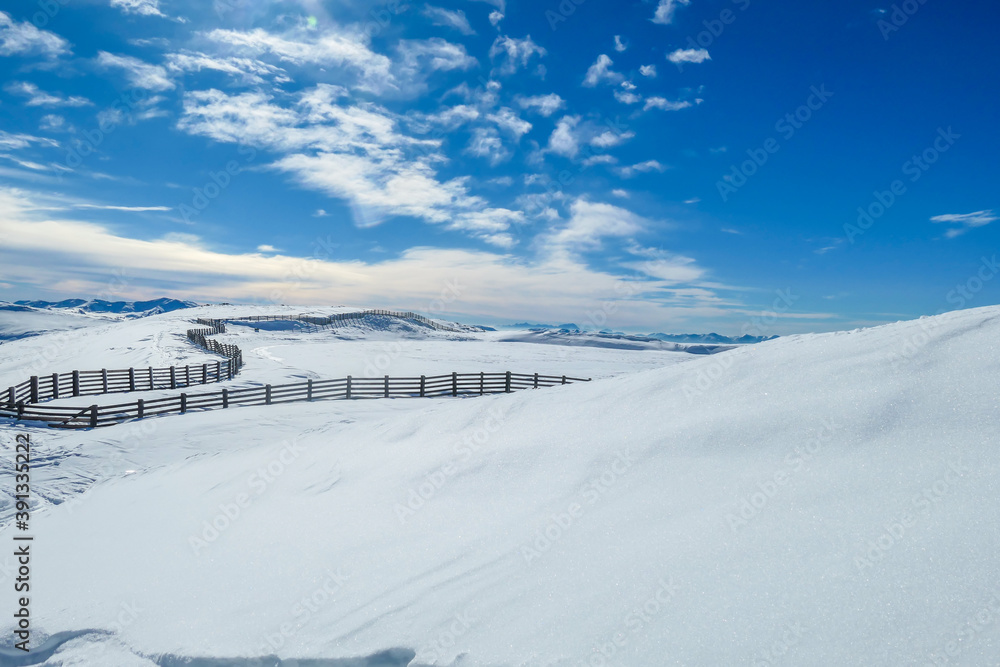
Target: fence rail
<point>428,386</point>
<point>339,317</point>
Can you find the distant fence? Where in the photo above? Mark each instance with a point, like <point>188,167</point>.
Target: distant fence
<point>339,317</point>
<point>453,384</point>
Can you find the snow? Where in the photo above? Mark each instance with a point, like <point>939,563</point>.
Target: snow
<point>818,499</point>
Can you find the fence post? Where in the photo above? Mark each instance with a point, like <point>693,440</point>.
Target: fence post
<point>55,385</point>
<point>309,389</point>
<point>131,379</point>
<point>12,396</point>
<point>140,408</point>
<point>204,373</point>
<point>104,379</point>
<point>93,416</point>
<point>187,376</point>
<point>348,386</point>
<point>225,398</point>
<point>387,386</point>
<point>564,379</point>
<point>482,378</point>
<point>184,402</point>
<point>20,409</point>
<point>267,395</point>
<point>454,384</point>
<point>76,383</point>
<point>422,381</point>
<point>536,381</point>
<point>34,389</point>
<point>218,371</point>
<point>173,378</point>
<point>507,386</point>
<point>151,378</point>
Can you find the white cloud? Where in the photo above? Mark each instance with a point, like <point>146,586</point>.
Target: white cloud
<point>39,98</point>
<point>590,223</point>
<point>140,7</point>
<point>642,167</point>
<point>25,39</point>
<point>648,70</point>
<point>689,56</point>
<point>618,192</point>
<point>664,14</point>
<point>137,72</point>
<point>610,139</point>
<point>353,153</point>
<point>486,143</point>
<point>546,105</point>
<point>266,248</point>
<point>564,140</point>
<point>187,267</point>
<point>10,141</point>
<point>627,97</point>
<point>599,159</point>
<point>495,18</point>
<point>432,55</point>
<point>320,213</point>
<point>449,19</point>
<point>52,123</point>
<point>601,71</point>
<point>665,104</point>
<point>514,54</point>
<point>619,44</point>
<point>965,221</point>
<point>508,120</point>
<point>130,209</point>
<point>328,48</point>
<point>666,266</point>
<point>248,71</point>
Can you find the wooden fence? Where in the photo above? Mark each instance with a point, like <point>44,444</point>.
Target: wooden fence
<point>453,384</point>
<point>337,318</point>
<point>20,401</point>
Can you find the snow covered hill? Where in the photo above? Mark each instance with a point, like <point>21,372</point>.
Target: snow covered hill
<point>813,500</point>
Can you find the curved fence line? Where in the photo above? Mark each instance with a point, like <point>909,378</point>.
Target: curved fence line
<point>425,386</point>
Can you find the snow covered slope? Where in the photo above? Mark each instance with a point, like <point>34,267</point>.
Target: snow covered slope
<point>814,500</point>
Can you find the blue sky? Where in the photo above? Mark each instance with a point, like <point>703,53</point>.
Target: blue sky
<point>654,166</point>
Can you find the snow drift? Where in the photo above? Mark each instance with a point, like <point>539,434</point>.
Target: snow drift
<point>819,500</point>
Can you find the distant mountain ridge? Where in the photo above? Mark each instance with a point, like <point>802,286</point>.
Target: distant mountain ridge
<point>709,338</point>
<point>153,307</point>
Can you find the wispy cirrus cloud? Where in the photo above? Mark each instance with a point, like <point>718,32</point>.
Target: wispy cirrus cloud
<point>39,98</point>
<point>514,54</point>
<point>448,18</point>
<point>138,73</point>
<point>25,39</point>
<point>963,222</point>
